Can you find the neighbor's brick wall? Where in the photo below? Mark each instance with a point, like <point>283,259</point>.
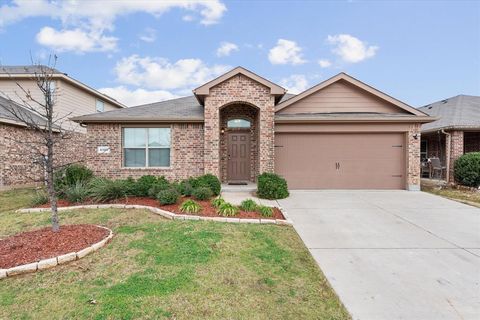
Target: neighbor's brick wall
<point>239,89</point>
<point>19,164</point>
<point>413,170</point>
<point>186,154</point>
<point>456,150</point>
<point>239,111</point>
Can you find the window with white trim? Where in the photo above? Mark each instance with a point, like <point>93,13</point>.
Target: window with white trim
<point>238,123</point>
<point>100,106</point>
<point>146,147</point>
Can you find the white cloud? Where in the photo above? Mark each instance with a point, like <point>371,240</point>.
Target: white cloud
<point>286,52</point>
<point>296,83</point>
<point>76,40</point>
<point>159,73</point>
<point>92,17</point>
<point>149,35</point>
<point>226,48</point>
<point>324,63</point>
<point>351,49</point>
<point>138,96</point>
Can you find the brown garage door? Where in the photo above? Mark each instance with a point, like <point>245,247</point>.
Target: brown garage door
<point>341,160</point>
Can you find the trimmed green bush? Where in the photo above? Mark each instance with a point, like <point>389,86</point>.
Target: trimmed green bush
<point>248,205</point>
<point>185,187</point>
<point>169,196</point>
<point>272,186</point>
<point>101,189</point>
<point>227,210</point>
<point>190,206</point>
<point>143,185</point>
<point>160,185</point>
<point>202,193</point>
<point>211,181</point>
<point>467,169</point>
<point>77,193</point>
<point>69,175</point>
<point>40,197</point>
<point>265,211</point>
<point>217,202</point>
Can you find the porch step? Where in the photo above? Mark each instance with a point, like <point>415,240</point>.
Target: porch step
<point>250,187</point>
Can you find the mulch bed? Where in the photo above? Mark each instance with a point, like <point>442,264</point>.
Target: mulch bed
<point>33,246</point>
<point>207,209</point>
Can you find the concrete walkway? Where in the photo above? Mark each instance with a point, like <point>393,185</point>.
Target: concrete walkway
<point>393,254</point>
<point>237,197</point>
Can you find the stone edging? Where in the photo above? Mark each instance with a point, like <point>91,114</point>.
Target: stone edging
<point>53,262</point>
<point>168,214</point>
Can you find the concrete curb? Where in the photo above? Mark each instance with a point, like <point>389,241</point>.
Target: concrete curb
<point>53,262</point>
<point>170,215</point>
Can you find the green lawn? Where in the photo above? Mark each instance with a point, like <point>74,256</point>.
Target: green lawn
<point>162,269</point>
<point>465,196</point>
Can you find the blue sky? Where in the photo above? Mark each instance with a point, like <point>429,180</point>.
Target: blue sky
<point>139,52</point>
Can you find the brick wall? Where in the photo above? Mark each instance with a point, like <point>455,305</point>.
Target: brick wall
<point>18,163</point>
<point>239,89</point>
<point>471,141</point>
<point>186,154</point>
<point>456,150</point>
<point>413,163</point>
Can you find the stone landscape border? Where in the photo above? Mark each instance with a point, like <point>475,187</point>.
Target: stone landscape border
<point>53,262</point>
<point>168,214</point>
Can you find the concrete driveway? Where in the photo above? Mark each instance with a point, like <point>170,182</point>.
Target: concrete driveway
<point>393,254</point>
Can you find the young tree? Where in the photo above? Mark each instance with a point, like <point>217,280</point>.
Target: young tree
<point>37,114</point>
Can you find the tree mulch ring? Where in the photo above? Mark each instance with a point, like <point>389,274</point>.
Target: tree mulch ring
<point>207,209</point>
<point>33,246</point>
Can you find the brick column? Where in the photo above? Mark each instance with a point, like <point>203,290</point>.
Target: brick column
<point>211,153</point>
<point>267,137</point>
<point>413,170</point>
<point>456,150</point>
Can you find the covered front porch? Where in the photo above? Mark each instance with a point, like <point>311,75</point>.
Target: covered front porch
<point>446,146</point>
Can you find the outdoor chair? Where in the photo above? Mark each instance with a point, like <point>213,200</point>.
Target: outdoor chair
<point>436,166</point>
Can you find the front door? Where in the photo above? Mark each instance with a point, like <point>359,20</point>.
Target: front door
<point>238,168</point>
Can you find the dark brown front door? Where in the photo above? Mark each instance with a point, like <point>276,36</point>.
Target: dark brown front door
<point>238,156</point>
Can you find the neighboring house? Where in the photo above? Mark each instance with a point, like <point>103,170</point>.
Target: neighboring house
<point>456,132</point>
<point>340,134</point>
<point>18,165</point>
<point>73,98</point>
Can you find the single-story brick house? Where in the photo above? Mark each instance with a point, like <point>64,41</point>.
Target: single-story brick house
<point>339,134</point>
<point>457,130</point>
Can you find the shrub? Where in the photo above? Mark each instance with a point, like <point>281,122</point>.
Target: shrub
<point>77,193</point>
<point>69,175</point>
<point>158,186</point>
<point>102,189</point>
<point>169,196</point>
<point>272,186</point>
<point>143,185</point>
<point>130,186</point>
<point>190,206</point>
<point>217,202</point>
<point>248,205</point>
<point>467,169</point>
<point>40,197</point>
<point>265,211</point>
<point>185,188</point>
<point>202,193</point>
<point>211,181</point>
<point>227,210</point>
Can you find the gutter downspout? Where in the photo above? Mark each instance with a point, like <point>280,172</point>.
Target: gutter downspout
<point>447,156</point>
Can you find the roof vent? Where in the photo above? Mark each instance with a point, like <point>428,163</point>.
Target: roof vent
<point>444,101</point>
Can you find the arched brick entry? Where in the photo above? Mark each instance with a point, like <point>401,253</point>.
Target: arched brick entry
<point>239,111</point>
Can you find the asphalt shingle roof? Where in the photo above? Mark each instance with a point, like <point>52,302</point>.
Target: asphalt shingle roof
<point>8,106</point>
<point>186,108</point>
<point>26,69</point>
<point>460,112</point>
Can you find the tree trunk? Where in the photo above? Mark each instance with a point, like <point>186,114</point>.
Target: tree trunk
<point>51,189</point>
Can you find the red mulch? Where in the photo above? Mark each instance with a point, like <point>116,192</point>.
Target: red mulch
<point>33,246</point>
<point>207,209</point>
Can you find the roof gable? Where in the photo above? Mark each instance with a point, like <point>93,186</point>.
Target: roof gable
<point>332,96</point>
<point>204,90</point>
